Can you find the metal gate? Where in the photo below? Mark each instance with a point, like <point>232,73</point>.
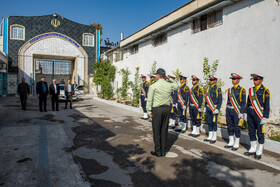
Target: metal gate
<point>53,69</point>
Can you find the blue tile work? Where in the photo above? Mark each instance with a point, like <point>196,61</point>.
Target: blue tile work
<point>38,25</point>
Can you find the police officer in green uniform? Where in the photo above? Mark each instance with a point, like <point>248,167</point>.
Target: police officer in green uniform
<point>23,91</point>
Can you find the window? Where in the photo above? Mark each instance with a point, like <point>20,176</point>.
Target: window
<point>17,32</point>
<point>88,39</point>
<point>207,21</point>
<point>134,49</point>
<point>159,40</point>
<point>215,19</point>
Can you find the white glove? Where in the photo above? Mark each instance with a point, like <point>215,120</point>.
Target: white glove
<point>199,110</point>
<point>216,111</point>
<point>176,105</point>
<point>146,99</point>
<point>204,110</point>
<point>240,116</point>
<point>173,105</point>
<point>263,121</point>
<point>184,107</point>
<point>245,117</point>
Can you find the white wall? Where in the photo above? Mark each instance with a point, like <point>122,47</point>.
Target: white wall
<point>247,42</point>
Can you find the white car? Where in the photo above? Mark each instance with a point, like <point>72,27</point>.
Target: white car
<point>62,95</point>
<point>79,91</point>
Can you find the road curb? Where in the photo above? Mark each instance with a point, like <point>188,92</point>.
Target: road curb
<point>270,145</point>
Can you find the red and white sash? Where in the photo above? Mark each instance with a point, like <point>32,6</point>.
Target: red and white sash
<point>255,102</point>
<point>233,100</point>
<point>180,97</point>
<point>209,100</point>
<point>193,98</point>
<point>142,90</point>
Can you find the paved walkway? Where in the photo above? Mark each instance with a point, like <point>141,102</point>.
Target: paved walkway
<point>97,144</point>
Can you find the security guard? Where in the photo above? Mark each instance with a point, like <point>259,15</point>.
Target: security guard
<point>234,111</point>
<point>183,98</point>
<point>173,106</point>
<point>23,91</point>
<point>152,79</point>
<point>257,109</point>
<point>144,95</point>
<point>195,102</point>
<point>213,103</point>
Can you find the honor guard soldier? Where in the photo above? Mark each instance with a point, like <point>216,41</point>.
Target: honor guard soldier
<point>234,111</point>
<point>183,98</point>
<point>257,109</point>
<point>195,102</point>
<point>144,95</point>
<point>173,106</point>
<point>152,79</point>
<point>213,103</point>
<point>23,91</point>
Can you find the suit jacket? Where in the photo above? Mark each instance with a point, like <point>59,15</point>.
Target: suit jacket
<point>52,90</point>
<point>66,89</point>
<point>39,88</point>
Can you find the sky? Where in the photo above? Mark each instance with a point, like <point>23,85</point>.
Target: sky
<point>115,16</point>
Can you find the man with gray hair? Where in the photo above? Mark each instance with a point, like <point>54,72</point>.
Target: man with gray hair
<point>158,109</point>
<point>54,93</point>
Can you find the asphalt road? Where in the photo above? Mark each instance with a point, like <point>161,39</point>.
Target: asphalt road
<point>96,144</point>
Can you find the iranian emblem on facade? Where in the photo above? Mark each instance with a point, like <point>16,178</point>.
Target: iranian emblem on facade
<point>55,22</point>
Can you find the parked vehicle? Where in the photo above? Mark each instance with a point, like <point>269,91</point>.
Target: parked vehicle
<point>79,91</point>
<point>62,95</point>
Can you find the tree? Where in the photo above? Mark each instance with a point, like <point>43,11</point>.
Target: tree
<point>104,74</point>
<point>154,68</point>
<point>98,26</point>
<point>135,86</point>
<point>177,74</point>
<point>125,84</point>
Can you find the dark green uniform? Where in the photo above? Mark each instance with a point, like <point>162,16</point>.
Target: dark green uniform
<point>23,91</point>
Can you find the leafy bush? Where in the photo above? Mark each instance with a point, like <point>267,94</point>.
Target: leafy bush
<point>135,86</point>
<point>154,68</point>
<point>125,84</point>
<point>104,74</point>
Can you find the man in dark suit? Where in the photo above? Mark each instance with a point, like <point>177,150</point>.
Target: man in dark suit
<point>54,93</point>
<point>23,91</point>
<point>69,91</point>
<point>42,91</point>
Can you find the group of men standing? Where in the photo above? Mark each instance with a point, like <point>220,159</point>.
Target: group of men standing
<point>42,91</point>
<point>254,110</point>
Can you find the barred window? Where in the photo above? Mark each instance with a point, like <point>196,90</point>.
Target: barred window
<point>215,19</point>
<point>17,32</point>
<point>196,26</point>
<point>159,40</point>
<point>207,21</point>
<point>134,49</point>
<point>88,39</point>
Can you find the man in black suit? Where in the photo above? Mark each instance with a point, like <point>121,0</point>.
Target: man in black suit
<point>69,92</point>
<point>42,91</point>
<point>54,93</point>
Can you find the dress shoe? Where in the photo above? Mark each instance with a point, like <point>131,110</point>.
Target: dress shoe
<point>206,140</point>
<point>71,108</point>
<point>258,157</point>
<point>228,146</point>
<point>213,141</point>
<point>163,153</point>
<point>155,154</point>
<point>249,153</point>
<point>234,149</point>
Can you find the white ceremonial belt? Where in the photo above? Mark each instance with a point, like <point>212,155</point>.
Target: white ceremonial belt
<point>192,104</point>
<point>230,107</point>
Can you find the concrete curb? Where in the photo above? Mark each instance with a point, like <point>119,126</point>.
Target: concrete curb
<point>270,145</point>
